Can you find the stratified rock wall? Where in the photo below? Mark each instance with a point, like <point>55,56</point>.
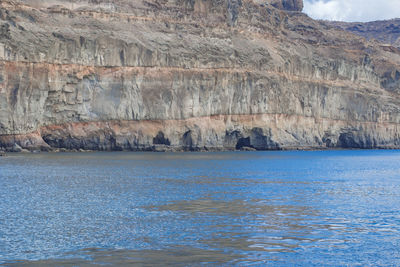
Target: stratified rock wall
<point>386,31</point>
<point>190,75</point>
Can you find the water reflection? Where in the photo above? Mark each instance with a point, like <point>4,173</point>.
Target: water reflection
<point>178,256</point>
<point>235,208</point>
<point>280,208</point>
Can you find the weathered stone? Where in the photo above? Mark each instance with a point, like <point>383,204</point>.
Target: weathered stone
<point>289,5</point>
<point>386,31</point>
<point>18,149</point>
<point>190,75</point>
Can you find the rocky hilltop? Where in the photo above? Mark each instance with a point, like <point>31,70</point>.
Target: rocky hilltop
<point>386,31</point>
<point>190,75</point>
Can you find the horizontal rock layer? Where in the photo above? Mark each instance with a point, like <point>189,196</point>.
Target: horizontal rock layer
<point>189,75</point>
<point>222,132</point>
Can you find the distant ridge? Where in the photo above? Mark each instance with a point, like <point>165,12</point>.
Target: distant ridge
<point>385,31</point>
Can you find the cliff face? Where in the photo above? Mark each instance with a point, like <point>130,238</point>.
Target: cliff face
<point>386,31</point>
<point>189,74</point>
<point>288,5</point>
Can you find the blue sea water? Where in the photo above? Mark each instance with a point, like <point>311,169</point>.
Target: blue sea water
<point>296,208</point>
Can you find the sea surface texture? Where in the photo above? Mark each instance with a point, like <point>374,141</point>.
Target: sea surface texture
<point>264,208</point>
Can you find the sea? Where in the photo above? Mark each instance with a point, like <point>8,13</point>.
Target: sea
<point>275,208</point>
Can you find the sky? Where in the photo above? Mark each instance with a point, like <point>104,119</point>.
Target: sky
<point>352,10</point>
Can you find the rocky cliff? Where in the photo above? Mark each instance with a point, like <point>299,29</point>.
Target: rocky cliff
<point>386,31</point>
<point>288,5</point>
<point>190,75</point>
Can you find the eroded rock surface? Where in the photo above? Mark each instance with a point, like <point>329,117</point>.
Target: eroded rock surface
<point>190,75</point>
<point>386,31</point>
<point>289,5</point>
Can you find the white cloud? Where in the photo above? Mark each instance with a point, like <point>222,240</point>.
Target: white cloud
<point>352,10</point>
